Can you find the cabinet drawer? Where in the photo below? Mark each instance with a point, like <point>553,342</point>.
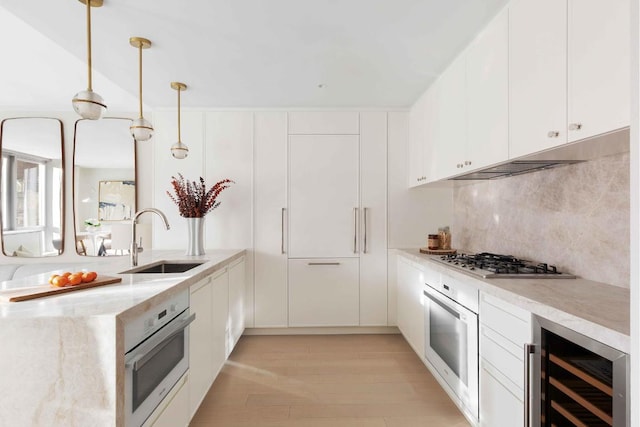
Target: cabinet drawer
<point>514,323</point>
<point>498,405</point>
<point>324,292</point>
<point>503,354</point>
<point>324,123</point>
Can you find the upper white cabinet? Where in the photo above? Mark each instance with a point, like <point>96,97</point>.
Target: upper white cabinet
<point>538,75</point>
<point>449,133</point>
<point>417,142</point>
<point>599,66</point>
<point>323,196</point>
<point>324,123</point>
<point>270,218</point>
<point>488,96</point>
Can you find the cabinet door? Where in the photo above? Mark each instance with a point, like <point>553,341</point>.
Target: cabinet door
<point>373,216</point>
<point>537,75</point>
<point>323,195</point>
<point>219,330</point>
<point>498,405</point>
<point>488,95</point>
<point>451,133</point>
<point>417,141</point>
<point>410,305</point>
<point>270,171</point>
<point>599,66</point>
<point>200,343</point>
<point>323,292</point>
<point>236,303</point>
<point>323,123</point>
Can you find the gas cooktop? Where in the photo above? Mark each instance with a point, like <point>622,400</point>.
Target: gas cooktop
<point>488,265</point>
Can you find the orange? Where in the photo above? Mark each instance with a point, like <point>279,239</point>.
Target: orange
<point>75,279</point>
<point>89,276</point>
<point>53,276</point>
<point>66,274</point>
<point>60,281</point>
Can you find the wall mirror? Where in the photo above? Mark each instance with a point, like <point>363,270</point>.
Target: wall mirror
<point>32,182</point>
<point>104,186</point>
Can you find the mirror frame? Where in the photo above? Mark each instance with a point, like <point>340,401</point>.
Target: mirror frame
<point>63,195</point>
<point>73,176</point>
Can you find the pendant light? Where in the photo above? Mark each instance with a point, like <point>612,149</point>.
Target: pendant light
<point>179,150</point>
<point>87,103</point>
<point>141,128</point>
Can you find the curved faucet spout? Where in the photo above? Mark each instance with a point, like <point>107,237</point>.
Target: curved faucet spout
<point>134,221</point>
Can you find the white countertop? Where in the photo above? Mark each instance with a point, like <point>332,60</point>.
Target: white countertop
<point>119,299</point>
<point>594,309</point>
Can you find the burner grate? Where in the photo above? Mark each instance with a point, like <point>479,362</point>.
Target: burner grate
<point>497,264</point>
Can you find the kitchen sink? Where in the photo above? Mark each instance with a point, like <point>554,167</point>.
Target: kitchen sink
<point>164,267</point>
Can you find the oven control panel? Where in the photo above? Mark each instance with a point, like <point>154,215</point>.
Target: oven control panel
<point>153,319</point>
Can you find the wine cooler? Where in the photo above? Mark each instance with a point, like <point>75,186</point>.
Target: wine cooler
<point>576,381</point>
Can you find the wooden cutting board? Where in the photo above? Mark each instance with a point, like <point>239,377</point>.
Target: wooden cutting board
<point>40,291</point>
<point>437,251</point>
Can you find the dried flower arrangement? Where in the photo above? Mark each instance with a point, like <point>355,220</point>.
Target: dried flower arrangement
<point>192,197</point>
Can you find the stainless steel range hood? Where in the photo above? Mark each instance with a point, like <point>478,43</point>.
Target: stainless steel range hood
<point>588,149</point>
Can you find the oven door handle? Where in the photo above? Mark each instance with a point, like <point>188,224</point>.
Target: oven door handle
<point>442,304</point>
<point>156,343</point>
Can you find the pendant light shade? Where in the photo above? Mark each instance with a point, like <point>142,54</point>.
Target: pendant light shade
<point>87,103</point>
<point>179,150</point>
<point>141,128</point>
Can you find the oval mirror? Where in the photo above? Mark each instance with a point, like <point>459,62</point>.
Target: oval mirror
<point>104,186</point>
<point>32,186</point>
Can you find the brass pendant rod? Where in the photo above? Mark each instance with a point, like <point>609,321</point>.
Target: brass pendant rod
<point>140,76</point>
<point>89,79</point>
<point>179,138</point>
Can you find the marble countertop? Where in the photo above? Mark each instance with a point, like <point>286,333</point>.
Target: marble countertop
<point>126,299</point>
<point>597,310</point>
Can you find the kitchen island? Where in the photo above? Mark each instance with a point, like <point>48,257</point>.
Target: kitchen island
<point>63,356</point>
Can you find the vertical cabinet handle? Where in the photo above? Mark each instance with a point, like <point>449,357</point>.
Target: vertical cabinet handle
<point>355,230</point>
<point>529,349</point>
<point>282,231</point>
<point>365,210</point>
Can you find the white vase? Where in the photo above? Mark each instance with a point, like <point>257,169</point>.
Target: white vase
<point>195,231</point>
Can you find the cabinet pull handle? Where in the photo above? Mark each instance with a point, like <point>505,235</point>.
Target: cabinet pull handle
<point>323,263</point>
<point>553,134</point>
<point>529,349</point>
<point>355,230</point>
<point>365,229</point>
<point>282,231</point>
<point>575,126</point>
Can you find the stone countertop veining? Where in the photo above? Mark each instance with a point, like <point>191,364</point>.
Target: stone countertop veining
<point>126,299</point>
<point>597,310</point>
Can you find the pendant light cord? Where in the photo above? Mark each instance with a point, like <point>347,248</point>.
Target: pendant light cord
<point>89,79</point>
<point>179,138</point>
<point>140,75</point>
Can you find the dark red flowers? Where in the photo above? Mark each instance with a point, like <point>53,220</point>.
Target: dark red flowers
<point>192,197</point>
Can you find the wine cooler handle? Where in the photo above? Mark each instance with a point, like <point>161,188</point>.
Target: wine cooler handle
<point>282,225</point>
<point>529,349</point>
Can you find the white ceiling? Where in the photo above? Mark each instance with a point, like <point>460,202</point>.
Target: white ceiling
<point>239,53</point>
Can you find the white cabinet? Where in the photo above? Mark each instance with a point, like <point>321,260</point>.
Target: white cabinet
<point>450,134</point>
<point>323,292</point>
<point>538,75</point>
<point>487,74</point>
<point>504,330</point>
<point>373,219</point>
<point>219,329</point>
<point>418,141</point>
<point>323,196</point>
<point>599,66</point>
<point>270,172</point>
<point>236,302</point>
<point>200,342</point>
<point>410,300</point>
<point>174,409</point>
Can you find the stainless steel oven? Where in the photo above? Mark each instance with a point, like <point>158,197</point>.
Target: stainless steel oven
<point>451,338</point>
<point>157,356</point>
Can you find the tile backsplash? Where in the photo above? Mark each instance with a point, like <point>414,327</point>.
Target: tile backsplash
<point>575,217</point>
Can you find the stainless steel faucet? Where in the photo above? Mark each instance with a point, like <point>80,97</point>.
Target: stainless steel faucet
<point>134,246</point>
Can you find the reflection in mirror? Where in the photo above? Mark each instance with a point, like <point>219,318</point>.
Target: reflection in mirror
<point>104,190</point>
<point>32,187</point>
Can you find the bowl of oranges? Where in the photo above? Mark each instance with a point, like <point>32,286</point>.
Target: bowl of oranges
<point>72,279</point>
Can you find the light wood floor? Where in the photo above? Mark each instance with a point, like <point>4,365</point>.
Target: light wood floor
<point>326,380</point>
